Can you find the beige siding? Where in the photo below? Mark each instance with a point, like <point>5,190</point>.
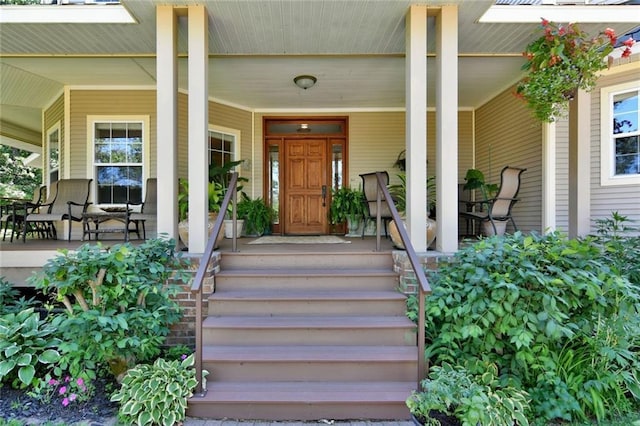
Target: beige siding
<point>53,115</point>
<point>625,199</point>
<point>103,102</point>
<point>506,134</point>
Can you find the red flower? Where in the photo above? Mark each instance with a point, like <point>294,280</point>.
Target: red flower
<point>629,42</point>
<point>610,32</point>
<point>544,22</point>
<point>626,53</point>
<point>561,31</point>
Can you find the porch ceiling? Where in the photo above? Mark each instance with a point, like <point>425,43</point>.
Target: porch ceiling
<point>354,48</point>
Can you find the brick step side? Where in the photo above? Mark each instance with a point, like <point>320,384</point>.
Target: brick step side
<point>303,400</point>
<point>300,330</point>
<point>306,302</point>
<point>311,363</point>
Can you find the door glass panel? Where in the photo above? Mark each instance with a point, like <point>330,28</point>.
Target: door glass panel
<point>274,180</point>
<point>54,156</point>
<point>336,166</point>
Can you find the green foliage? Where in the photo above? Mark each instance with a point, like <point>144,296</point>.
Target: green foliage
<point>27,344</point>
<point>66,391</point>
<point>11,301</point>
<point>473,400</point>
<point>399,193</point>
<point>16,179</point>
<point>215,194</point>
<point>156,394</point>
<point>621,245</point>
<point>257,215</point>
<point>346,203</point>
<point>118,301</point>
<point>177,352</point>
<point>474,179</point>
<point>552,314</point>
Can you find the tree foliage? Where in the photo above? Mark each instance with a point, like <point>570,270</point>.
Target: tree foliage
<point>16,179</point>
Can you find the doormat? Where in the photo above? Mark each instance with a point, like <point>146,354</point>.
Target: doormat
<point>321,239</point>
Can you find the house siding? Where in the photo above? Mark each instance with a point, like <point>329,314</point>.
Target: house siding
<point>107,102</point>
<point>625,199</point>
<point>53,115</point>
<point>515,140</point>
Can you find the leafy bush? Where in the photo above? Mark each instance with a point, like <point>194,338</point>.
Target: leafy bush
<point>11,301</point>
<point>26,344</point>
<point>553,315</point>
<point>156,394</point>
<point>621,244</point>
<point>118,303</point>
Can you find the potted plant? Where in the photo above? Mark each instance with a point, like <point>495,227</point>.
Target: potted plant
<point>561,61</point>
<point>347,205</point>
<point>216,195</point>
<point>257,215</point>
<point>474,179</point>
<point>399,194</point>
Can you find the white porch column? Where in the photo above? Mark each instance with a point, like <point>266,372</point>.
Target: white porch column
<point>198,126</point>
<point>549,177</point>
<point>579,162</point>
<point>167,116</point>
<point>416,125</point>
<point>447,129</point>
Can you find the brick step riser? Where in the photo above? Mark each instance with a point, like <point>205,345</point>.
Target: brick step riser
<point>317,308</point>
<point>308,337</point>
<point>345,371</point>
<point>276,282</point>
<point>252,410</point>
<point>240,261</point>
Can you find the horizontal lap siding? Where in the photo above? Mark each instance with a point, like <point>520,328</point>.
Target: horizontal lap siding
<point>506,134</point>
<point>625,199</point>
<point>107,102</point>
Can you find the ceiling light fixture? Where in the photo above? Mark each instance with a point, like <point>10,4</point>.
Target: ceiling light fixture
<point>305,81</point>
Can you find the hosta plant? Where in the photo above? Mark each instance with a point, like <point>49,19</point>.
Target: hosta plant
<point>27,345</point>
<point>156,394</point>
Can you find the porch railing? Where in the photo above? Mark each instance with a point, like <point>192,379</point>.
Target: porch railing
<point>423,284</point>
<point>196,287</point>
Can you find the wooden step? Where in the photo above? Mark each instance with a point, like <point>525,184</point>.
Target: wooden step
<point>327,261</point>
<point>301,330</point>
<point>292,279</point>
<point>306,302</point>
<point>303,400</point>
<point>311,363</point>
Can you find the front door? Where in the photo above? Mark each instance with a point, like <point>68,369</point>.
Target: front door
<point>305,186</point>
<point>304,161</point>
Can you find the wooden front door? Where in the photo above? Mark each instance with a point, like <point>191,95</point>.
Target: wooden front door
<point>306,187</point>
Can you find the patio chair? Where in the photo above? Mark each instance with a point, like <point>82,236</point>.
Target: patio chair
<point>370,190</point>
<point>14,211</point>
<point>148,209</point>
<point>69,203</point>
<point>498,208</point>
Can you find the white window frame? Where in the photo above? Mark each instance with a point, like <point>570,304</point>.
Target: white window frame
<point>607,147</point>
<point>226,131</point>
<point>91,121</point>
<point>53,129</point>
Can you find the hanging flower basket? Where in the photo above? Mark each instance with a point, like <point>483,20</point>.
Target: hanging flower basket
<point>559,63</point>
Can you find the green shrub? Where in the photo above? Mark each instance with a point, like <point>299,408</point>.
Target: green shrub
<point>621,244</point>
<point>156,394</point>
<point>26,345</point>
<point>554,316</point>
<point>10,300</point>
<point>118,303</point>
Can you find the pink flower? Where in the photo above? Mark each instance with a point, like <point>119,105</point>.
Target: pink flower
<point>72,397</point>
<point>80,382</point>
<point>53,382</point>
<point>65,402</point>
<point>67,379</point>
<point>183,357</point>
<point>62,390</point>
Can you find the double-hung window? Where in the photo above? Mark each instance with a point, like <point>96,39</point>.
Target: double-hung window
<point>118,160</point>
<point>223,146</point>
<point>620,140</point>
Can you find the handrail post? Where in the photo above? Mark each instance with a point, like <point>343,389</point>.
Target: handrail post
<point>234,198</point>
<point>421,329</point>
<point>198,361</point>
<point>378,216</point>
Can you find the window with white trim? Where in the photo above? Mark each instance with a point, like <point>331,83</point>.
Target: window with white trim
<point>118,154</point>
<point>223,146</point>
<point>620,139</point>
<point>53,154</point>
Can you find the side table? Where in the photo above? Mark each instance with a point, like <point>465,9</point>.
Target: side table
<point>99,217</point>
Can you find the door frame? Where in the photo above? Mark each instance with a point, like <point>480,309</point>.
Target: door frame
<point>275,129</point>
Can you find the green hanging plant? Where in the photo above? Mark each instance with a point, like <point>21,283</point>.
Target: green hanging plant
<point>561,61</point>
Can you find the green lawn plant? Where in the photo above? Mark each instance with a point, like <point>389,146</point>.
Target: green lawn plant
<point>119,303</point>
<point>27,346</point>
<point>156,394</point>
<point>555,317</point>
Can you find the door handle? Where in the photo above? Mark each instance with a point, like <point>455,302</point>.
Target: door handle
<point>324,195</point>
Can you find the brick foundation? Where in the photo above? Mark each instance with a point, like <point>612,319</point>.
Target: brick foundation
<point>401,265</point>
